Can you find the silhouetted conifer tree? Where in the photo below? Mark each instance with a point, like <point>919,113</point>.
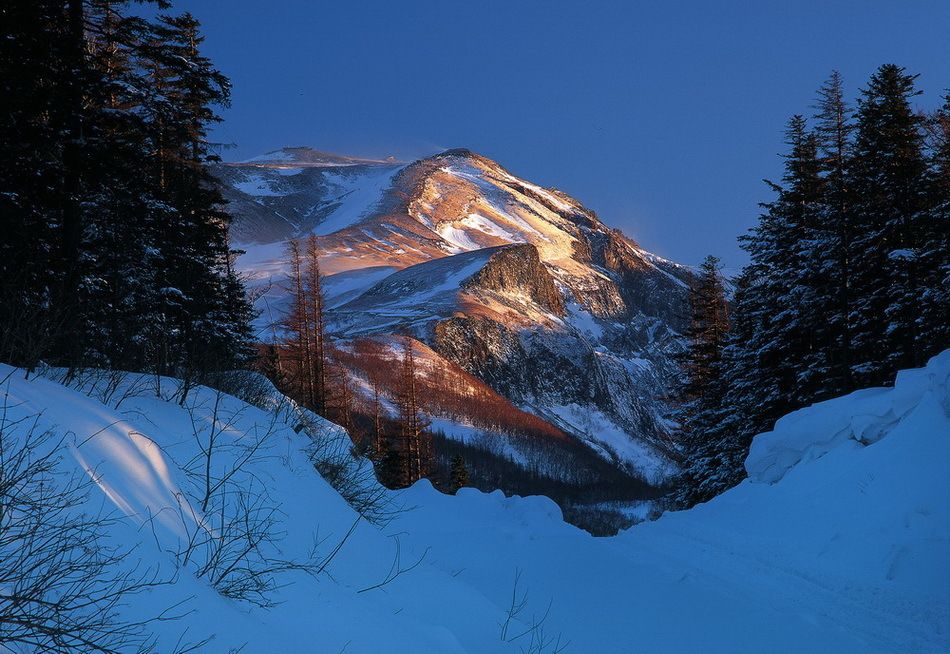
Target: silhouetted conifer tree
<point>116,252</point>
<point>459,473</point>
<point>848,276</point>
<point>888,175</point>
<point>700,394</point>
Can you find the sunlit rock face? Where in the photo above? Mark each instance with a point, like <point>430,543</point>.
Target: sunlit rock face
<point>516,271</point>
<point>520,285</point>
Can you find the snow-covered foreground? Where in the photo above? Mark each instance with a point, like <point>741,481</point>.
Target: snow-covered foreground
<point>838,542</point>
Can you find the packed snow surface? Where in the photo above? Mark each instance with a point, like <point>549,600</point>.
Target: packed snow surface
<point>838,542</point>
<point>256,185</point>
<point>357,196</point>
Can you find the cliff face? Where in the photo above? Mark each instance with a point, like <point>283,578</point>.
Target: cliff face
<point>647,284</point>
<point>604,387</point>
<point>517,270</point>
<point>520,285</point>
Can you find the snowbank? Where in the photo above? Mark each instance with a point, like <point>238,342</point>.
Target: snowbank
<point>863,417</point>
<point>839,541</point>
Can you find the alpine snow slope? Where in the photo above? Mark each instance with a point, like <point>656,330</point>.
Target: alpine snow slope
<point>839,540</point>
<point>520,285</point>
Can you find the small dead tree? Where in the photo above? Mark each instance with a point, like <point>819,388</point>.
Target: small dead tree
<point>313,296</point>
<point>378,444</point>
<point>306,344</point>
<point>111,387</point>
<point>341,409</point>
<point>396,569</point>
<point>353,477</point>
<point>298,346</point>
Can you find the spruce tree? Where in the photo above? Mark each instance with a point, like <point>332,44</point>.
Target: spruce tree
<point>833,248</point>
<point>709,324</point>
<point>784,279</point>
<point>200,290</point>
<point>848,276</point>
<point>117,249</point>
<point>805,305</point>
<point>764,371</point>
<point>725,427</point>
<point>120,252</point>
<point>33,68</point>
<point>935,251</point>
<point>888,176</point>
<point>700,394</point>
<point>459,474</point>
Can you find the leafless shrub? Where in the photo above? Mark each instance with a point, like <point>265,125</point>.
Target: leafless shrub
<point>111,387</point>
<point>396,570</point>
<point>338,461</point>
<point>251,387</point>
<point>62,586</point>
<point>331,450</point>
<point>528,633</point>
<point>233,524</point>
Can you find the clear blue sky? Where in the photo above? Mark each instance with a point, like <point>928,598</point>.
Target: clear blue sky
<point>661,116</point>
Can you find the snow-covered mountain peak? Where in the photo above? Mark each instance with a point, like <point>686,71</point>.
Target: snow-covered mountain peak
<point>517,284</point>
<point>302,156</point>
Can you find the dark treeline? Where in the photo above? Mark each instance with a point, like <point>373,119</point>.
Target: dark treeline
<point>849,279</point>
<point>114,249</point>
<point>565,472</point>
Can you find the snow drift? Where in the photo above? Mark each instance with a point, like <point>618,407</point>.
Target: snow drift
<point>839,541</point>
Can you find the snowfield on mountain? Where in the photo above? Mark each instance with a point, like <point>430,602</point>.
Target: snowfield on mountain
<point>839,540</point>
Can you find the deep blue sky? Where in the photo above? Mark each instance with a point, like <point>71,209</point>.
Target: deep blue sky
<point>662,116</point>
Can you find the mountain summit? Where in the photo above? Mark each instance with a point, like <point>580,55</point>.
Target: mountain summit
<point>302,156</point>
<point>519,285</point>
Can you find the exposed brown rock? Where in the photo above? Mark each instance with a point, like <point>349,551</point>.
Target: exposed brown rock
<point>519,268</point>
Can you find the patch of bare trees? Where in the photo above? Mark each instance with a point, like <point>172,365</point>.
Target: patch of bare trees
<point>413,447</point>
<point>303,354</point>
<point>445,390</point>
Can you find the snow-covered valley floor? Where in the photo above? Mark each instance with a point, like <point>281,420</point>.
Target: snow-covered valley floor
<point>839,541</point>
